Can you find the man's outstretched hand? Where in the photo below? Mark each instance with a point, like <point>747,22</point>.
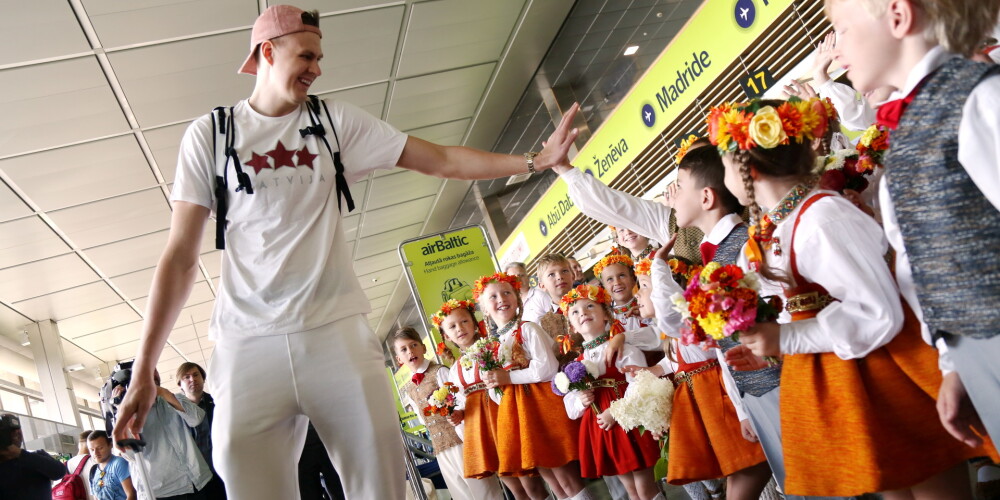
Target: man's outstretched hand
<point>556,149</point>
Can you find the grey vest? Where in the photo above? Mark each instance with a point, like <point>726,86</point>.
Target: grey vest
<point>757,382</point>
<point>950,230</point>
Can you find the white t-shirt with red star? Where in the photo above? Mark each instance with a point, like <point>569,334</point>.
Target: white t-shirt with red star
<point>287,266</point>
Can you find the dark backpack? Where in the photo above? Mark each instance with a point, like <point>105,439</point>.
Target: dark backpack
<point>224,127</point>
<point>71,487</point>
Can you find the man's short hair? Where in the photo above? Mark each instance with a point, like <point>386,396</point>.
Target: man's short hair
<point>9,425</point>
<point>549,260</point>
<point>186,367</point>
<point>84,435</point>
<point>94,436</point>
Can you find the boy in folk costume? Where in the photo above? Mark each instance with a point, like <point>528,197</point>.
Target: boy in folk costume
<point>427,377</point>
<point>555,278</point>
<point>941,196</point>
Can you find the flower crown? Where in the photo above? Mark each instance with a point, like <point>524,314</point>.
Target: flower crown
<point>744,126</point>
<point>481,283</point>
<point>447,308</point>
<point>644,266</point>
<point>615,257</point>
<point>589,292</point>
<point>682,151</point>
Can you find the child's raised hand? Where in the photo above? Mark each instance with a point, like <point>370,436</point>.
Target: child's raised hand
<point>748,432</point>
<point>605,420</point>
<point>656,370</point>
<point>496,378</point>
<point>670,195</point>
<point>587,397</point>
<point>764,339</point>
<point>744,360</point>
<point>614,347</point>
<point>824,58</point>
<point>663,253</point>
<point>456,417</point>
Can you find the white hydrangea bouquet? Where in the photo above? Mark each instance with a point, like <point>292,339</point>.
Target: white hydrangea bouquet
<point>646,405</point>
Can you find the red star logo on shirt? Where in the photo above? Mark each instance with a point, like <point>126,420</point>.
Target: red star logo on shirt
<point>304,158</point>
<point>258,163</point>
<point>282,157</point>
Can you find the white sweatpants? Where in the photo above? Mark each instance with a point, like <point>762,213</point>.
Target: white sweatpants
<point>451,463</point>
<point>267,387</point>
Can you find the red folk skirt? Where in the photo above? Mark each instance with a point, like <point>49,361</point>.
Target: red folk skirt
<point>612,452</point>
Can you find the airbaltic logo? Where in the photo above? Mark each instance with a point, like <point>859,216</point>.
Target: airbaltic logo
<point>745,13</point>
<point>441,245</point>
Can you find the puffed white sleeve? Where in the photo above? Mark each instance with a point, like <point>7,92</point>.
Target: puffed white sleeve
<point>731,389</point>
<point>645,338</point>
<point>668,319</point>
<point>574,408</point>
<point>535,307</point>
<point>608,206</point>
<point>459,396</point>
<point>854,110</point>
<point>841,248</point>
<point>542,364</point>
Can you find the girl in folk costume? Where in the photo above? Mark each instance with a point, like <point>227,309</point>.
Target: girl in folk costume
<point>534,432</point>
<point>858,385</point>
<point>637,246</point>
<point>618,278</point>
<point>605,448</point>
<point>707,437</point>
<point>428,377</point>
<point>475,415</point>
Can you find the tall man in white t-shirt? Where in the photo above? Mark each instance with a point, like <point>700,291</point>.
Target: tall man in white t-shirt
<point>289,323</point>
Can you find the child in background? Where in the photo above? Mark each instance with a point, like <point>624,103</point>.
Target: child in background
<point>941,199</point>
<point>555,278</point>
<point>534,432</point>
<point>605,448</point>
<point>841,420</point>
<point>428,376</point>
<point>635,245</point>
<point>618,278</point>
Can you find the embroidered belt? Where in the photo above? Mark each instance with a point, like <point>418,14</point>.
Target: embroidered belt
<point>685,377</point>
<point>609,383</point>
<point>481,386</point>
<point>809,301</point>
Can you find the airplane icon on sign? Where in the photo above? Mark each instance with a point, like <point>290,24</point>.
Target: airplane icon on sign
<point>744,13</point>
<point>648,115</point>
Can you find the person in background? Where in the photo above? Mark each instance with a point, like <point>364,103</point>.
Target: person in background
<point>24,475</point>
<point>110,479</point>
<point>191,378</point>
<point>574,265</point>
<point>83,453</point>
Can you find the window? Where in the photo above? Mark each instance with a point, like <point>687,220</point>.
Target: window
<point>13,402</point>
<point>38,408</point>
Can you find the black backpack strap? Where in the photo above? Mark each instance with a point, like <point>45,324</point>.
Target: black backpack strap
<point>224,125</point>
<point>317,129</point>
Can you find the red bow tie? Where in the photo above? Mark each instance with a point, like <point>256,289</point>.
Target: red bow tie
<point>889,114</point>
<point>417,378</point>
<point>707,251</point>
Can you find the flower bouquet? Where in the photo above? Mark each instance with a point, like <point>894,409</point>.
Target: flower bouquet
<point>850,168</point>
<point>575,376</point>
<point>646,405</point>
<point>719,302</point>
<point>442,401</point>
<point>489,354</point>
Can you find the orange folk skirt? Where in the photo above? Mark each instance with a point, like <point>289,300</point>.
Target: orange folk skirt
<point>705,437</point>
<point>480,448</point>
<point>533,430</point>
<point>866,425</point>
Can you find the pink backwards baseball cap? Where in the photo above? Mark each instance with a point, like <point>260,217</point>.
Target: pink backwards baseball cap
<point>277,20</point>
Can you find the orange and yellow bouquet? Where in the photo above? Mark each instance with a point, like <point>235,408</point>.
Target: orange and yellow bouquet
<point>719,302</point>
<point>442,401</point>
